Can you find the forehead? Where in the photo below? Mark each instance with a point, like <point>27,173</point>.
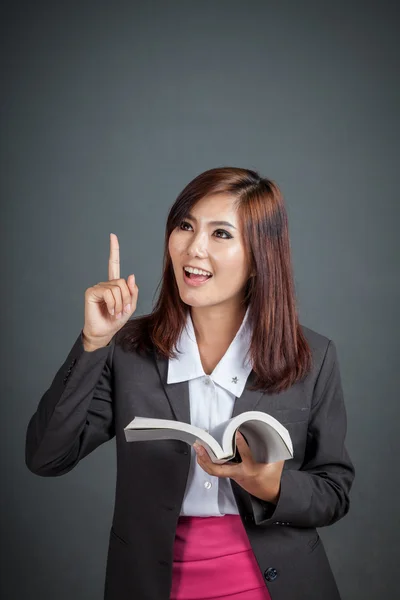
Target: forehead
<point>216,206</point>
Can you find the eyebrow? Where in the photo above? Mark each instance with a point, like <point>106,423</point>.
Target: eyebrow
<point>225,223</point>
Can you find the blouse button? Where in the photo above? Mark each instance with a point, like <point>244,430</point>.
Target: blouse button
<point>207,485</point>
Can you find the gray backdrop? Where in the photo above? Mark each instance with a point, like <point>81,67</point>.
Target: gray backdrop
<point>108,110</point>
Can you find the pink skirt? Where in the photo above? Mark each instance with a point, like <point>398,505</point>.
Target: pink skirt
<point>213,560</point>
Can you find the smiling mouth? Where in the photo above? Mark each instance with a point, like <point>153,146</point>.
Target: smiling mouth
<point>195,279</point>
<point>197,276</point>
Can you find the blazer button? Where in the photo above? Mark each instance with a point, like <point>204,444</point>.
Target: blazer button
<point>270,574</point>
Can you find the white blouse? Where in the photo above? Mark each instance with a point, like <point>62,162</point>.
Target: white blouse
<point>212,399</point>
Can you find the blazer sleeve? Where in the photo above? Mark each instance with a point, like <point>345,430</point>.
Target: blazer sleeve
<point>317,494</point>
<point>75,414</point>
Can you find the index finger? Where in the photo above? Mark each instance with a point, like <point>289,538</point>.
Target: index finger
<point>113,261</point>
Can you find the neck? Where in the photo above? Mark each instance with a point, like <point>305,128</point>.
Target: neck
<point>216,326</point>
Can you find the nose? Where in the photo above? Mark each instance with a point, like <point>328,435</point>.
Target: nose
<point>198,246</point>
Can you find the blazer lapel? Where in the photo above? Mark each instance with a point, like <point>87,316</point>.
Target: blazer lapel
<point>178,394</point>
<point>249,399</point>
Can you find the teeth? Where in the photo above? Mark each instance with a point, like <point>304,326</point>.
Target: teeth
<point>196,271</point>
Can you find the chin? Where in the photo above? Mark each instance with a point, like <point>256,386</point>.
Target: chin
<point>195,302</point>
<point>198,302</point>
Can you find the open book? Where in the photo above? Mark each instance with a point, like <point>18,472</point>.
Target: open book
<point>268,439</point>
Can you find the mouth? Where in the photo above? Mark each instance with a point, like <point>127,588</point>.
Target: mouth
<point>195,279</point>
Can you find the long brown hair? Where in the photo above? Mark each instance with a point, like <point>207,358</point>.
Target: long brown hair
<point>279,351</point>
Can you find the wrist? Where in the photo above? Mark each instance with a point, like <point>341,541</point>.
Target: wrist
<point>275,497</point>
<point>268,491</point>
<point>92,345</point>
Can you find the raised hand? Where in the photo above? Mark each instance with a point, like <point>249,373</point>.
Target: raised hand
<point>108,304</point>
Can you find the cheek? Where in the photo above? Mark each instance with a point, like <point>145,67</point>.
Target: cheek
<point>170,246</point>
<point>233,262</point>
<point>176,248</point>
<point>173,246</point>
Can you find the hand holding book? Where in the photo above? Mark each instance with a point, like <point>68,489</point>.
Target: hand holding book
<point>269,440</point>
<point>262,480</point>
<point>263,451</point>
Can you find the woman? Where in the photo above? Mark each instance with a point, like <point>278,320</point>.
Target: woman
<point>223,338</point>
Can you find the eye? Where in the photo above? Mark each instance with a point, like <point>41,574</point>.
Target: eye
<point>225,232</point>
<point>184,223</point>
<point>226,235</point>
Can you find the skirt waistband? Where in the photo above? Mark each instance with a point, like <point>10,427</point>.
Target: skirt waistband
<point>213,560</point>
<point>209,537</point>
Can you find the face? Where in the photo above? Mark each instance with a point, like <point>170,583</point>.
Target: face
<point>214,247</point>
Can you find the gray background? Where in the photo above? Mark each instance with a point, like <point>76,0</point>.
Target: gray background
<point>108,110</point>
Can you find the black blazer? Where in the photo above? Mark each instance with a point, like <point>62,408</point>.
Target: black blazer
<point>94,395</point>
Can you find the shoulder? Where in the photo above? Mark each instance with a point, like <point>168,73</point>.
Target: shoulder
<point>323,349</point>
<point>317,341</point>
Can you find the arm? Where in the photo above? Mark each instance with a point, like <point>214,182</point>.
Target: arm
<point>75,415</point>
<point>318,494</point>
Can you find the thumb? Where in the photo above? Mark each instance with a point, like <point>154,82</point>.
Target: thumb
<point>242,446</point>
<point>131,283</point>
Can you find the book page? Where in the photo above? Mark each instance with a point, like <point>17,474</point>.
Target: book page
<point>176,431</point>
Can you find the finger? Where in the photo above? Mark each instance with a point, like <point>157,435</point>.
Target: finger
<point>224,470</point>
<point>203,459</point>
<point>116,292</point>
<point>113,261</point>
<point>205,462</point>
<point>243,447</point>
<point>132,287</point>
<point>128,298</point>
<point>109,299</point>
